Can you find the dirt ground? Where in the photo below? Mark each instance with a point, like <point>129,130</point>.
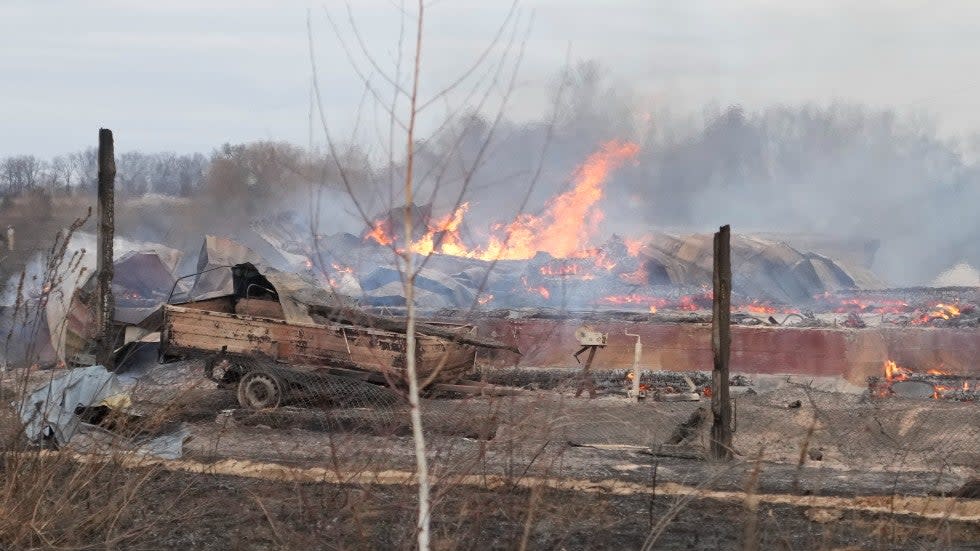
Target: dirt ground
<point>240,513</point>
<point>556,471</point>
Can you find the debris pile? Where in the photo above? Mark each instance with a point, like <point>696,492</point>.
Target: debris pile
<point>86,408</point>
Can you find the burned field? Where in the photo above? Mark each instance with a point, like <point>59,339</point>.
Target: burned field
<point>814,468</point>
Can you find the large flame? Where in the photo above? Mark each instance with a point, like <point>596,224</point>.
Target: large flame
<point>563,230</point>
<point>570,219</point>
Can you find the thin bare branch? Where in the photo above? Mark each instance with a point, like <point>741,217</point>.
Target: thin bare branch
<point>479,60</point>
<point>331,146</point>
<point>393,82</point>
<point>357,70</point>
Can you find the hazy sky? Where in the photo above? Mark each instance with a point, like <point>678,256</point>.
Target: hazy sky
<point>186,75</point>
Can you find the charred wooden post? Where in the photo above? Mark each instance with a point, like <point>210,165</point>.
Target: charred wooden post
<point>585,377</point>
<point>721,407</point>
<point>105,305</point>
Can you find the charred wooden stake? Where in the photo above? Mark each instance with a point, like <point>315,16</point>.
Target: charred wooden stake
<point>721,428</point>
<point>105,306</point>
<point>585,378</point>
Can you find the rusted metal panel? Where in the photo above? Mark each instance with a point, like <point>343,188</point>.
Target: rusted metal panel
<point>194,330</point>
<point>851,353</point>
<point>220,304</point>
<point>261,308</point>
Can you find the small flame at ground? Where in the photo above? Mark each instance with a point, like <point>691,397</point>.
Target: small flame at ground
<point>940,311</point>
<point>893,372</point>
<point>543,291</point>
<point>882,306</point>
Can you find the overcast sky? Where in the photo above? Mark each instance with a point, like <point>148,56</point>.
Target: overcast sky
<point>185,76</point>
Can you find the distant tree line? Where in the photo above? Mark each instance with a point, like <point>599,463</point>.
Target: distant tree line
<point>258,170</point>
<point>77,173</point>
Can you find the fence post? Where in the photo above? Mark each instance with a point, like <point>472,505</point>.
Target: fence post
<point>721,408</point>
<point>105,306</point>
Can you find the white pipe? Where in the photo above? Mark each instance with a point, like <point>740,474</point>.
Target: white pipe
<point>637,352</point>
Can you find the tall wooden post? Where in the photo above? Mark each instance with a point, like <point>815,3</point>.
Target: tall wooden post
<point>105,305</point>
<point>721,407</point>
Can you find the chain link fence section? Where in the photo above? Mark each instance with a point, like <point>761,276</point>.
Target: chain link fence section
<point>789,422</point>
<point>315,398</point>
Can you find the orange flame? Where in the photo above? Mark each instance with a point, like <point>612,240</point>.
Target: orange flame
<point>880,306</point>
<point>602,260</point>
<point>543,291</point>
<point>563,230</point>
<point>634,246</point>
<point>646,300</point>
<point>941,311</point>
<point>380,233</point>
<point>448,226</point>
<point>570,219</point>
<point>757,307</point>
<point>893,372</point>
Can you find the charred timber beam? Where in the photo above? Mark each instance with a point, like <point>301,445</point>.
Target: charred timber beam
<point>721,428</point>
<point>105,306</point>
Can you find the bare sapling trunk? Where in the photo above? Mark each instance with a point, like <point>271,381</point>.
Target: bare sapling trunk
<point>418,434</point>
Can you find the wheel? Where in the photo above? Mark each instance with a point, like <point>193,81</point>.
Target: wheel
<point>260,390</point>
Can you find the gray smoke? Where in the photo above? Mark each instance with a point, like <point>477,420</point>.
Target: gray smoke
<point>842,171</point>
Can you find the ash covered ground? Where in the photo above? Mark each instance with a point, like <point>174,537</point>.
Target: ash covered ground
<point>828,464</point>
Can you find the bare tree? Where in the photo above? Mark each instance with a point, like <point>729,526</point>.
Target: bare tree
<point>63,167</point>
<point>134,172</point>
<point>190,173</point>
<point>21,173</point>
<point>85,164</point>
<point>399,100</point>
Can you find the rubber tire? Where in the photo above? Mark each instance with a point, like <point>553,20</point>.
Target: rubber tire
<point>260,390</point>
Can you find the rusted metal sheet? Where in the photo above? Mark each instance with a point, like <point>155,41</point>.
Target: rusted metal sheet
<point>188,330</point>
<point>261,308</point>
<point>220,304</point>
<point>851,353</point>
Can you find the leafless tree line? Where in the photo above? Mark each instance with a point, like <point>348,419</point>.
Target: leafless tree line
<point>139,173</point>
